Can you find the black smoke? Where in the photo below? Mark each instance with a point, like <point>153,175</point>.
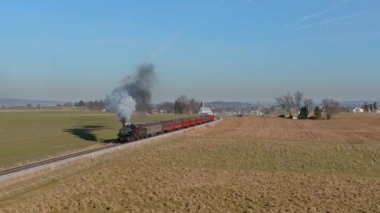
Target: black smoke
<point>140,86</point>
<point>135,93</point>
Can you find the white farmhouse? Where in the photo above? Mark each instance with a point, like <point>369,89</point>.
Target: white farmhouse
<point>358,110</point>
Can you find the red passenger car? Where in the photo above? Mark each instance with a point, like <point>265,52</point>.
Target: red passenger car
<point>186,122</point>
<point>193,121</point>
<point>168,126</point>
<point>199,120</point>
<point>177,124</point>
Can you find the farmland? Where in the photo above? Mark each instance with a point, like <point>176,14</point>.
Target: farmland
<point>241,164</point>
<point>34,135</point>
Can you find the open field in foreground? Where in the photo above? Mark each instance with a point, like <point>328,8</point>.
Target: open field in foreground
<point>34,135</point>
<point>247,164</point>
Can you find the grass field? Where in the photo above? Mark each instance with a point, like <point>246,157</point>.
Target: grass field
<point>34,135</point>
<point>248,164</point>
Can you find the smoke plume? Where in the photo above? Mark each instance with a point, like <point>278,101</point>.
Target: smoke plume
<point>133,94</point>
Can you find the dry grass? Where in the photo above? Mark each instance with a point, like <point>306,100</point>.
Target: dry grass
<point>243,164</point>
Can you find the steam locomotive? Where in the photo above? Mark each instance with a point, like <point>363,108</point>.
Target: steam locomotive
<point>131,132</point>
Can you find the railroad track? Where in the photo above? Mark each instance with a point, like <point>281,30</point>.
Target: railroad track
<point>19,169</point>
<point>55,159</point>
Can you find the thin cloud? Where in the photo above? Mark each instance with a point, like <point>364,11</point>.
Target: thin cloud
<point>331,20</point>
<point>165,45</point>
<point>317,14</point>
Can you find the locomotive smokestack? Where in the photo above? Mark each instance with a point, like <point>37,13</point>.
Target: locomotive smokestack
<point>133,94</point>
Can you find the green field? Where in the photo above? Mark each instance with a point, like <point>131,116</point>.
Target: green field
<point>33,135</point>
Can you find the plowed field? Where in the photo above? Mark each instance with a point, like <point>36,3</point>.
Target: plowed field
<point>250,164</point>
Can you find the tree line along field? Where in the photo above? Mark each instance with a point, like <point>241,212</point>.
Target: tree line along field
<point>35,135</point>
<point>248,164</point>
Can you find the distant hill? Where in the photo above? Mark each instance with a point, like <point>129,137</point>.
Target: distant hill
<point>237,104</point>
<point>224,104</point>
<point>9,102</point>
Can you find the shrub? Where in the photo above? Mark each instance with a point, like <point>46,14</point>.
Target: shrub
<point>317,113</point>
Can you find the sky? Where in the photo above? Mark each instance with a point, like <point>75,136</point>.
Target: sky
<point>232,50</point>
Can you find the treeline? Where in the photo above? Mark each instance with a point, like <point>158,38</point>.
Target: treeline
<point>182,105</point>
<point>91,105</point>
<point>296,103</point>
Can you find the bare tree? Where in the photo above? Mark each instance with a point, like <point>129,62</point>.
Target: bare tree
<point>167,107</point>
<point>184,105</point>
<point>286,102</point>
<point>180,104</point>
<point>308,103</point>
<point>297,101</point>
<point>330,107</point>
<point>193,106</point>
<point>298,97</point>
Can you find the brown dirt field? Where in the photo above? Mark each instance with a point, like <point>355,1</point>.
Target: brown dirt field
<point>345,128</point>
<point>248,164</point>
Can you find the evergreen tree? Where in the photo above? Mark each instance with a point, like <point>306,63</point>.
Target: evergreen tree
<point>366,107</point>
<point>81,103</point>
<point>304,113</point>
<point>177,108</point>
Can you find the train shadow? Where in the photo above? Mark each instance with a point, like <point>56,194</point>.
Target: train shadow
<point>108,141</point>
<point>85,132</point>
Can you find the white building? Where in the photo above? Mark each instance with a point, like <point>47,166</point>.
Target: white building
<point>358,110</point>
<point>259,112</point>
<point>205,111</point>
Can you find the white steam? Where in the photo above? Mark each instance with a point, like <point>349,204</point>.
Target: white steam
<point>121,103</point>
<point>135,93</point>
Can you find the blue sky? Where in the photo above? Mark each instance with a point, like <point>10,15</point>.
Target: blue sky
<point>249,50</point>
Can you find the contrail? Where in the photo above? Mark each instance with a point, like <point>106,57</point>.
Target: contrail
<point>332,20</point>
<point>317,14</point>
